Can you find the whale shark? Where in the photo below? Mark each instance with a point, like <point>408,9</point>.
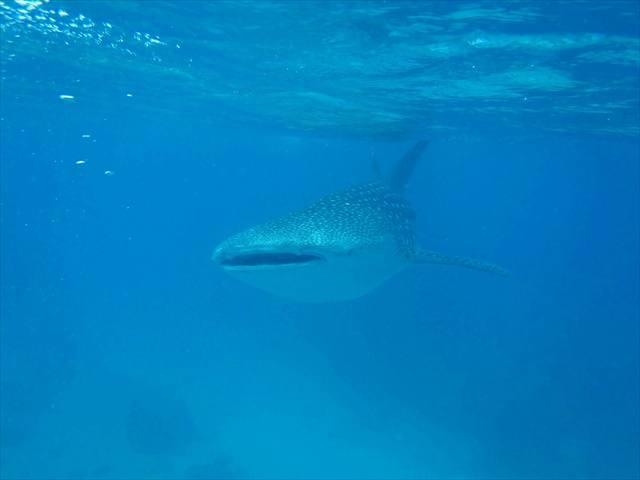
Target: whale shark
<point>339,248</point>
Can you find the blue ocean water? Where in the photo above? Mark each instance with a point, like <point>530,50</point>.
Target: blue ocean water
<point>137,135</point>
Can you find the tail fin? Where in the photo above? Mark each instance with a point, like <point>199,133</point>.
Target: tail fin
<point>404,168</point>
<point>426,256</point>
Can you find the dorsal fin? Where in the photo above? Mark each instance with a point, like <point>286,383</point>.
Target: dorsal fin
<point>404,168</point>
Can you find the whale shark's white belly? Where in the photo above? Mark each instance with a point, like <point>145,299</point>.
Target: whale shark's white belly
<point>336,278</point>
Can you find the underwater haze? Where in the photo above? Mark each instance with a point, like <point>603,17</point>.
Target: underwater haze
<point>138,135</point>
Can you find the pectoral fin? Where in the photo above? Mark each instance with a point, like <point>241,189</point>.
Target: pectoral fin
<point>427,256</point>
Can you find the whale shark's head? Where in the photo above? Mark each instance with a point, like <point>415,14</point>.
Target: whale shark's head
<point>338,248</point>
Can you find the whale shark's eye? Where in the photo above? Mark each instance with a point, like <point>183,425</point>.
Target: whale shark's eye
<point>277,258</point>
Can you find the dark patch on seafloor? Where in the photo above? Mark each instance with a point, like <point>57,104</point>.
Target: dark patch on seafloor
<point>160,423</point>
<point>221,468</point>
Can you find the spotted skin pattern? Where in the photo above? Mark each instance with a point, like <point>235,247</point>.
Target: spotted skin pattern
<point>359,217</point>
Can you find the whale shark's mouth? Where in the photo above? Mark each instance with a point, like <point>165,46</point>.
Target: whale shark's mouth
<point>275,259</point>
